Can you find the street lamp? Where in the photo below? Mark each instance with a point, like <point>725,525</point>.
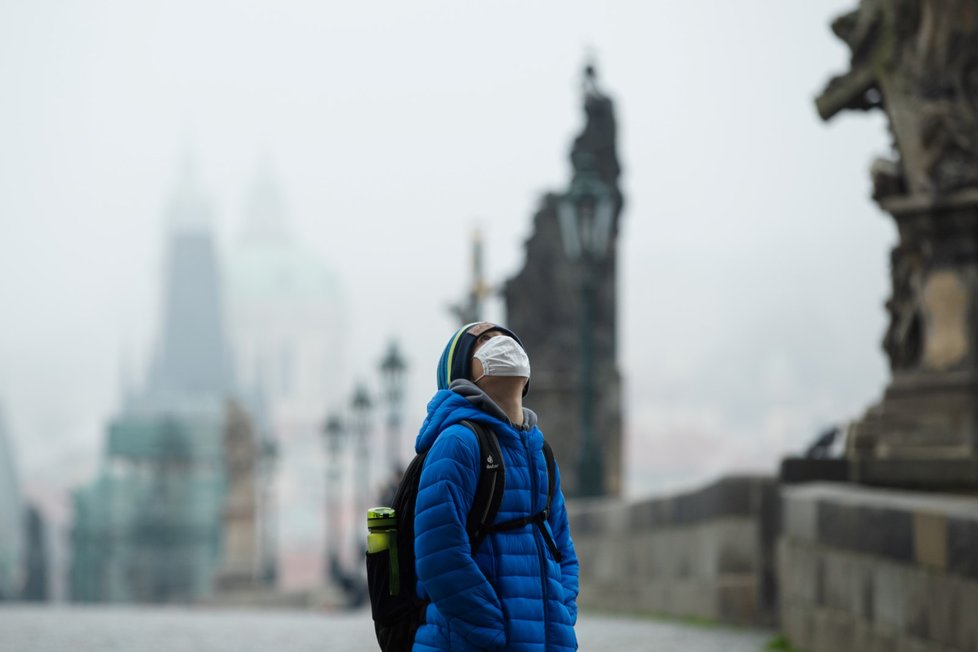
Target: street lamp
<point>333,438</point>
<point>360,406</point>
<point>585,213</point>
<point>268,457</point>
<point>392,371</point>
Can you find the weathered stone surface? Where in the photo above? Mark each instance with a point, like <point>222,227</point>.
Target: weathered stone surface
<point>808,469</point>
<point>962,547</point>
<point>697,554</point>
<point>932,474</point>
<point>930,540</point>
<point>899,525</point>
<point>240,554</point>
<point>832,631</point>
<point>890,600</point>
<point>965,625</point>
<point>910,607</point>
<point>798,621</point>
<point>544,305</point>
<point>848,586</point>
<point>799,515</point>
<point>914,59</point>
<point>945,302</point>
<point>941,608</point>
<point>890,587</point>
<point>873,530</point>
<point>917,60</point>
<point>797,573</point>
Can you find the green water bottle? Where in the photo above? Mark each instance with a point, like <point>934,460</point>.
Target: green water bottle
<point>382,535</point>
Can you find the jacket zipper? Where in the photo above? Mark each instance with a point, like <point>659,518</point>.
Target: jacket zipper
<point>541,558</point>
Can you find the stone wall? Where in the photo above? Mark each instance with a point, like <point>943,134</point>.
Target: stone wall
<point>705,554</point>
<point>872,569</point>
<point>840,567</point>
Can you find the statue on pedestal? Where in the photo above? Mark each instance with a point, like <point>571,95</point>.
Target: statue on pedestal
<point>240,559</point>
<point>917,60</point>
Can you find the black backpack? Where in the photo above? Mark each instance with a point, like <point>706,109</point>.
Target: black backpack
<point>397,611</point>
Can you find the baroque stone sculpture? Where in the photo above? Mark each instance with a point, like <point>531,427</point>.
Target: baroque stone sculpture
<point>241,561</point>
<point>543,305</point>
<point>917,60</point>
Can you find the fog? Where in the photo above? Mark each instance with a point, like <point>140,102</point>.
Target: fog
<point>753,263</point>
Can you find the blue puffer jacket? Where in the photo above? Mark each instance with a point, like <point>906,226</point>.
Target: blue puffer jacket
<point>512,594</point>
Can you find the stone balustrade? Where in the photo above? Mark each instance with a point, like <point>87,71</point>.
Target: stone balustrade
<point>878,569</point>
<point>705,554</point>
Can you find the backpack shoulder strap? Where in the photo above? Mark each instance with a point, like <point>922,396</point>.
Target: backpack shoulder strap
<point>540,517</point>
<point>489,488</point>
<point>548,453</point>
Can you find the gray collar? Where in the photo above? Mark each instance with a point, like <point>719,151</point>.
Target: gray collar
<point>474,394</point>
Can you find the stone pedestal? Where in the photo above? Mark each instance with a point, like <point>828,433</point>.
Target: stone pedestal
<point>924,430</point>
<point>916,61</point>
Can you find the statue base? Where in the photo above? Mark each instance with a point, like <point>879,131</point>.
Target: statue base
<point>923,433</point>
<point>921,474</point>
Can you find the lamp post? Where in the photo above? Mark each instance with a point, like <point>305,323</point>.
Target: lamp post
<point>360,406</point>
<point>585,213</point>
<point>392,371</point>
<point>333,437</point>
<point>266,465</point>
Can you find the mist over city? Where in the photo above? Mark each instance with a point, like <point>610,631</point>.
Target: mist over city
<point>243,233</point>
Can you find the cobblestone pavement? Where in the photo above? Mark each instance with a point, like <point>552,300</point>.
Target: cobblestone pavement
<point>136,629</point>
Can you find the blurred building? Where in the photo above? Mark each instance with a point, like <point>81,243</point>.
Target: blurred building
<point>11,521</point>
<point>37,561</point>
<point>287,325</point>
<point>150,527</point>
<point>544,305</point>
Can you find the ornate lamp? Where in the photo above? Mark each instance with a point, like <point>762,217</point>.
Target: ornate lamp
<point>334,439</point>
<point>392,369</point>
<point>360,406</point>
<point>586,212</point>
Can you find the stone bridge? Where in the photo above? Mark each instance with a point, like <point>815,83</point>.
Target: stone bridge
<point>143,629</point>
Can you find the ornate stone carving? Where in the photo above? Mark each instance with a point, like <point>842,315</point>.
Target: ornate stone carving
<point>903,339</point>
<point>917,60</point>
<point>240,566</point>
<point>945,301</point>
<point>543,306</point>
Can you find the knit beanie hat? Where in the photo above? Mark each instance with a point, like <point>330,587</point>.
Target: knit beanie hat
<point>456,359</point>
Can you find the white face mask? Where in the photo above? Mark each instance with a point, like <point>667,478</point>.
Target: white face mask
<point>502,356</point>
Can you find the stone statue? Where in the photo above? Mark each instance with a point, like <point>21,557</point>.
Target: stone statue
<point>240,563</point>
<point>917,60</point>
<point>596,144</point>
<point>543,304</point>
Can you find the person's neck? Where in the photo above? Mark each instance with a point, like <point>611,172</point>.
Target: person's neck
<point>507,393</point>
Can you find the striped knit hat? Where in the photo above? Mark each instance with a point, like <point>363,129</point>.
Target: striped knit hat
<point>456,359</point>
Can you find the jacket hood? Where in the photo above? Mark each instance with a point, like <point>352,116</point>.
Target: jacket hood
<point>456,360</point>
<point>465,400</point>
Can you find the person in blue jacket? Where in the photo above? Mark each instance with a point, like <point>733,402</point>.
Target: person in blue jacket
<point>511,593</point>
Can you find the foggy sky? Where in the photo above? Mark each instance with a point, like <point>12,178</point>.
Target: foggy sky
<point>753,263</point>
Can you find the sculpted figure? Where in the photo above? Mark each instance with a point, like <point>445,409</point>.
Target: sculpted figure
<point>918,61</point>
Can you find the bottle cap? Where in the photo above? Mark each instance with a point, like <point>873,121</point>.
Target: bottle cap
<point>381,518</point>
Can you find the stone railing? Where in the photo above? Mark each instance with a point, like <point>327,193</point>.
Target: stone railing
<point>705,554</point>
<point>878,569</point>
<point>838,566</point>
